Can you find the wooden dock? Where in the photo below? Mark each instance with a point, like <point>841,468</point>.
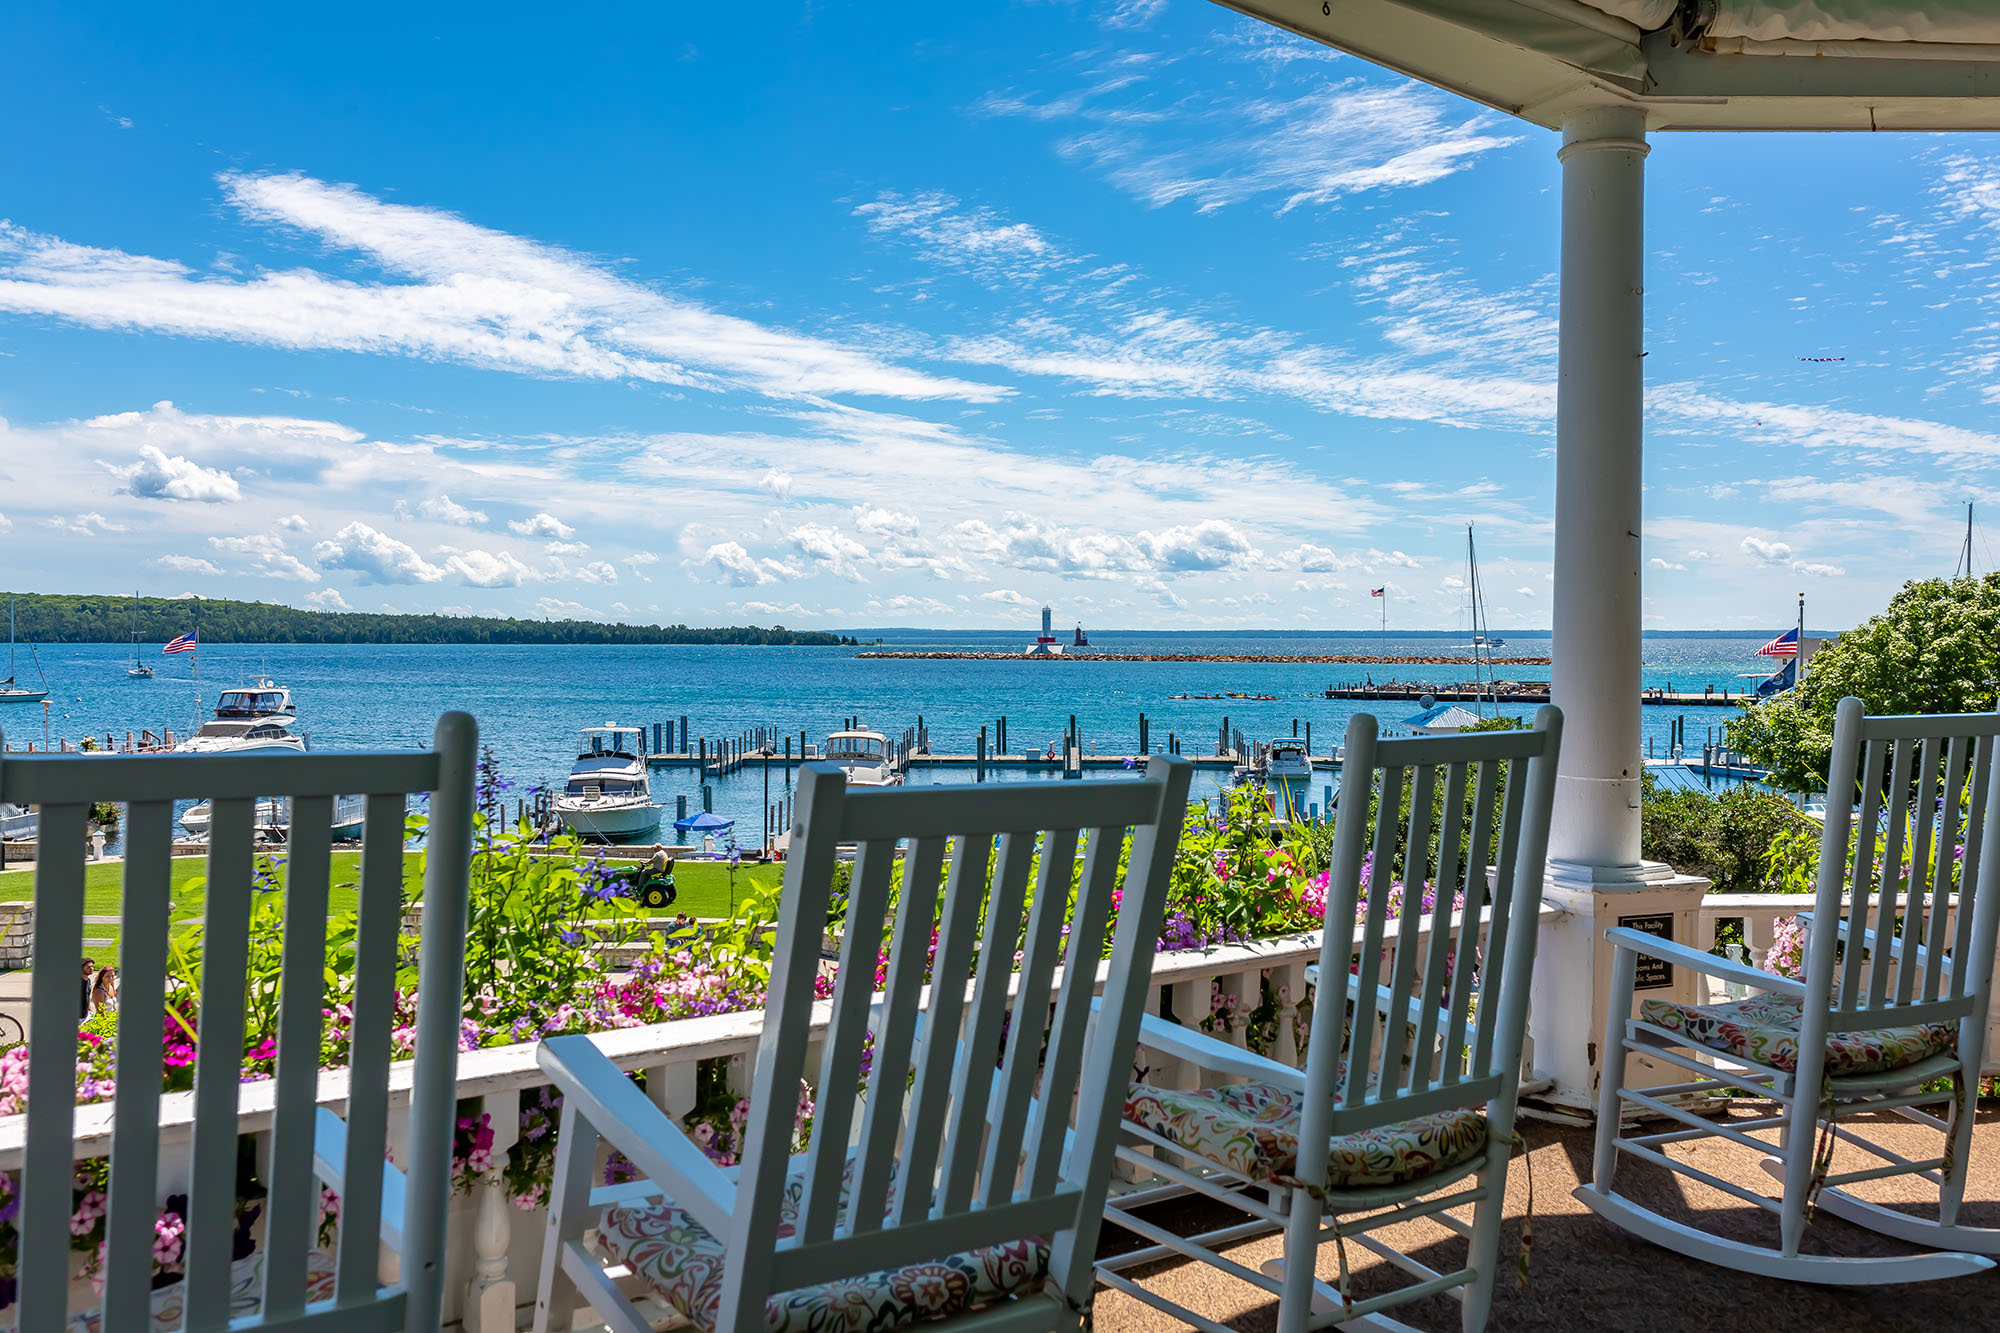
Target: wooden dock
<point>1523,692</point>
<point>1295,659</point>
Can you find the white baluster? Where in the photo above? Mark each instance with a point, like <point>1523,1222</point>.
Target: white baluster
<point>1759,934</point>
<point>1288,979</point>
<point>1243,990</point>
<point>490,1297</point>
<point>1190,1001</point>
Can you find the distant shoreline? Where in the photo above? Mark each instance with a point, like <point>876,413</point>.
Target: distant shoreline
<point>1309,659</point>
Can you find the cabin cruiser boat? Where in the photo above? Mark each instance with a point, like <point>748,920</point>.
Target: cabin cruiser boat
<point>255,717</point>
<point>863,756</point>
<point>261,718</point>
<point>1287,761</point>
<point>609,796</point>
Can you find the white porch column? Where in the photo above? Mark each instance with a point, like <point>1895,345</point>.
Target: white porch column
<point>1595,872</point>
<point>1599,402</point>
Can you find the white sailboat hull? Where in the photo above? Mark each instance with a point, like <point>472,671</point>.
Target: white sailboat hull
<point>10,695</point>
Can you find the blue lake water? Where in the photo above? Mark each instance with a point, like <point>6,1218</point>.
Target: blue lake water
<point>531,700</point>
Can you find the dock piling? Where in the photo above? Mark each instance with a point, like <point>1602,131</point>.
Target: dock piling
<point>980,756</point>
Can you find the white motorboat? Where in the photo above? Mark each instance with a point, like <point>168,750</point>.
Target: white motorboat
<point>10,693</point>
<point>1287,761</point>
<point>255,717</point>
<point>274,819</point>
<point>16,822</point>
<point>864,757</point>
<point>609,796</point>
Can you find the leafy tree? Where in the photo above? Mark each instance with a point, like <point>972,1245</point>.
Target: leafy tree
<point>109,619</point>
<point>1935,649</point>
<point>1726,839</point>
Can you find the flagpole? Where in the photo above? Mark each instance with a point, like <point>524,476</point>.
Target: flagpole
<point>1799,676</point>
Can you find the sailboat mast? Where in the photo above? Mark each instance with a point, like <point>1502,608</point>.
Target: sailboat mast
<point>1964,570</point>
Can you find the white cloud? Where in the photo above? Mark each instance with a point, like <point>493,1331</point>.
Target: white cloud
<point>1525,592</point>
<point>1218,145</point>
<point>977,241</point>
<point>84,525</point>
<point>1134,13</point>
<point>1771,553</point>
<point>542,525</point>
<point>1210,544</point>
<point>487,569</point>
<point>778,483</point>
<point>328,599</point>
<point>375,556</point>
<point>452,291</point>
<point>599,571</point>
<point>187,564</point>
<point>831,548</point>
<point>639,560</point>
<point>737,567</point>
<point>1817,569</point>
<point>293,523</point>
<point>1009,597</point>
<point>565,548</point>
<point>6,524</point>
<point>555,608</point>
<point>156,476</point>
<point>1657,563</point>
<point>441,508</point>
<point>267,556</point>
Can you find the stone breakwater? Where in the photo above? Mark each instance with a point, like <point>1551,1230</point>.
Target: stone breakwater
<point>1305,658</point>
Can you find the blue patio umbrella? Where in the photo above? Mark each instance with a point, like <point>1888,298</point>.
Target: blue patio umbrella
<point>704,822</point>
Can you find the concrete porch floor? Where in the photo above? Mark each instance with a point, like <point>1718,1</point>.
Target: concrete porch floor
<point>1588,1274</point>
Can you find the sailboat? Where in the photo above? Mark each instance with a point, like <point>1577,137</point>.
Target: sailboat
<point>138,670</point>
<point>1483,641</point>
<point>10,693</point>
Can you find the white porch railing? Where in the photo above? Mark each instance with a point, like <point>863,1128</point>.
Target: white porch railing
<point>494,1252</point>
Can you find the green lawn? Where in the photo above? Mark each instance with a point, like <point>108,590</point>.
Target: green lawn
<point>704,890</point>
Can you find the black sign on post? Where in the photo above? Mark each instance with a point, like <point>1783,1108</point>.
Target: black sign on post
<point>1652,973</point>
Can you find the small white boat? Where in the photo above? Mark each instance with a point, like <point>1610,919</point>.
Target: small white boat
<point>137,670</point>
<point>609,796</point>
<point>864,757</point>
<point>1287,760</point>
<point>10,693</point>
<point>274,819</point>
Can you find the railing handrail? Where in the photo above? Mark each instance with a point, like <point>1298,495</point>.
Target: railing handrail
<point>497,1069</point>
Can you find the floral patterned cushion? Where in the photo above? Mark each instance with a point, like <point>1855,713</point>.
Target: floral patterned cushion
<point>246,1293</point>
<point>680,1260</point>
<point>1765,1028</point>
<point>1253,1129</point>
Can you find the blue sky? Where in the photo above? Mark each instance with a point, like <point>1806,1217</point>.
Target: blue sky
<point>885,314</point>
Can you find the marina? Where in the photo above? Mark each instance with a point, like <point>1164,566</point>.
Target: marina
<point>710,713</point>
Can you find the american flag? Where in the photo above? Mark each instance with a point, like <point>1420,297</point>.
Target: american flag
<point>1377,592</point>
<point>184,644</point>
<point>1785,645</point>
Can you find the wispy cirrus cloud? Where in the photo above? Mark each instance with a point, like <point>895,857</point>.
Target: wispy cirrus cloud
<point>448,290</point>
<point>1167,130</point>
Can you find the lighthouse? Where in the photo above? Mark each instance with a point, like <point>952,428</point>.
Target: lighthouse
<point>1047,645</point>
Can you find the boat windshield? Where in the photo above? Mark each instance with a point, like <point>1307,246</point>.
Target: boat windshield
<point>249,703</point>
<point>614,745</point>
<point>581,786</point>
<point>853,747</point>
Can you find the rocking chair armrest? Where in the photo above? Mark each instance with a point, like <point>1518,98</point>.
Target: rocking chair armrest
<point>1385,998</point>
<point>613,1106</point>
<point>330,1165</point>
<point>1623,937</point>
<point>1213,1054</point>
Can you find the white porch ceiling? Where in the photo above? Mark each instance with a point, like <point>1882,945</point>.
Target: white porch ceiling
<point>1745,65</point>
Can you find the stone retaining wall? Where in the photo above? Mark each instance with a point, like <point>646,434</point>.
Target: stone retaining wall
<point>17,936</point>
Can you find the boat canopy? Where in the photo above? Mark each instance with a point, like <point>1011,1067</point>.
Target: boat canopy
<point>611,740</point>
<point>252,703</point>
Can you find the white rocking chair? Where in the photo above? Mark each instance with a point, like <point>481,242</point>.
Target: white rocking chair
<point>289,1283</point>
<point>956,1193</point>
<point>1886,1006</point>
<point>1403,1108</point>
